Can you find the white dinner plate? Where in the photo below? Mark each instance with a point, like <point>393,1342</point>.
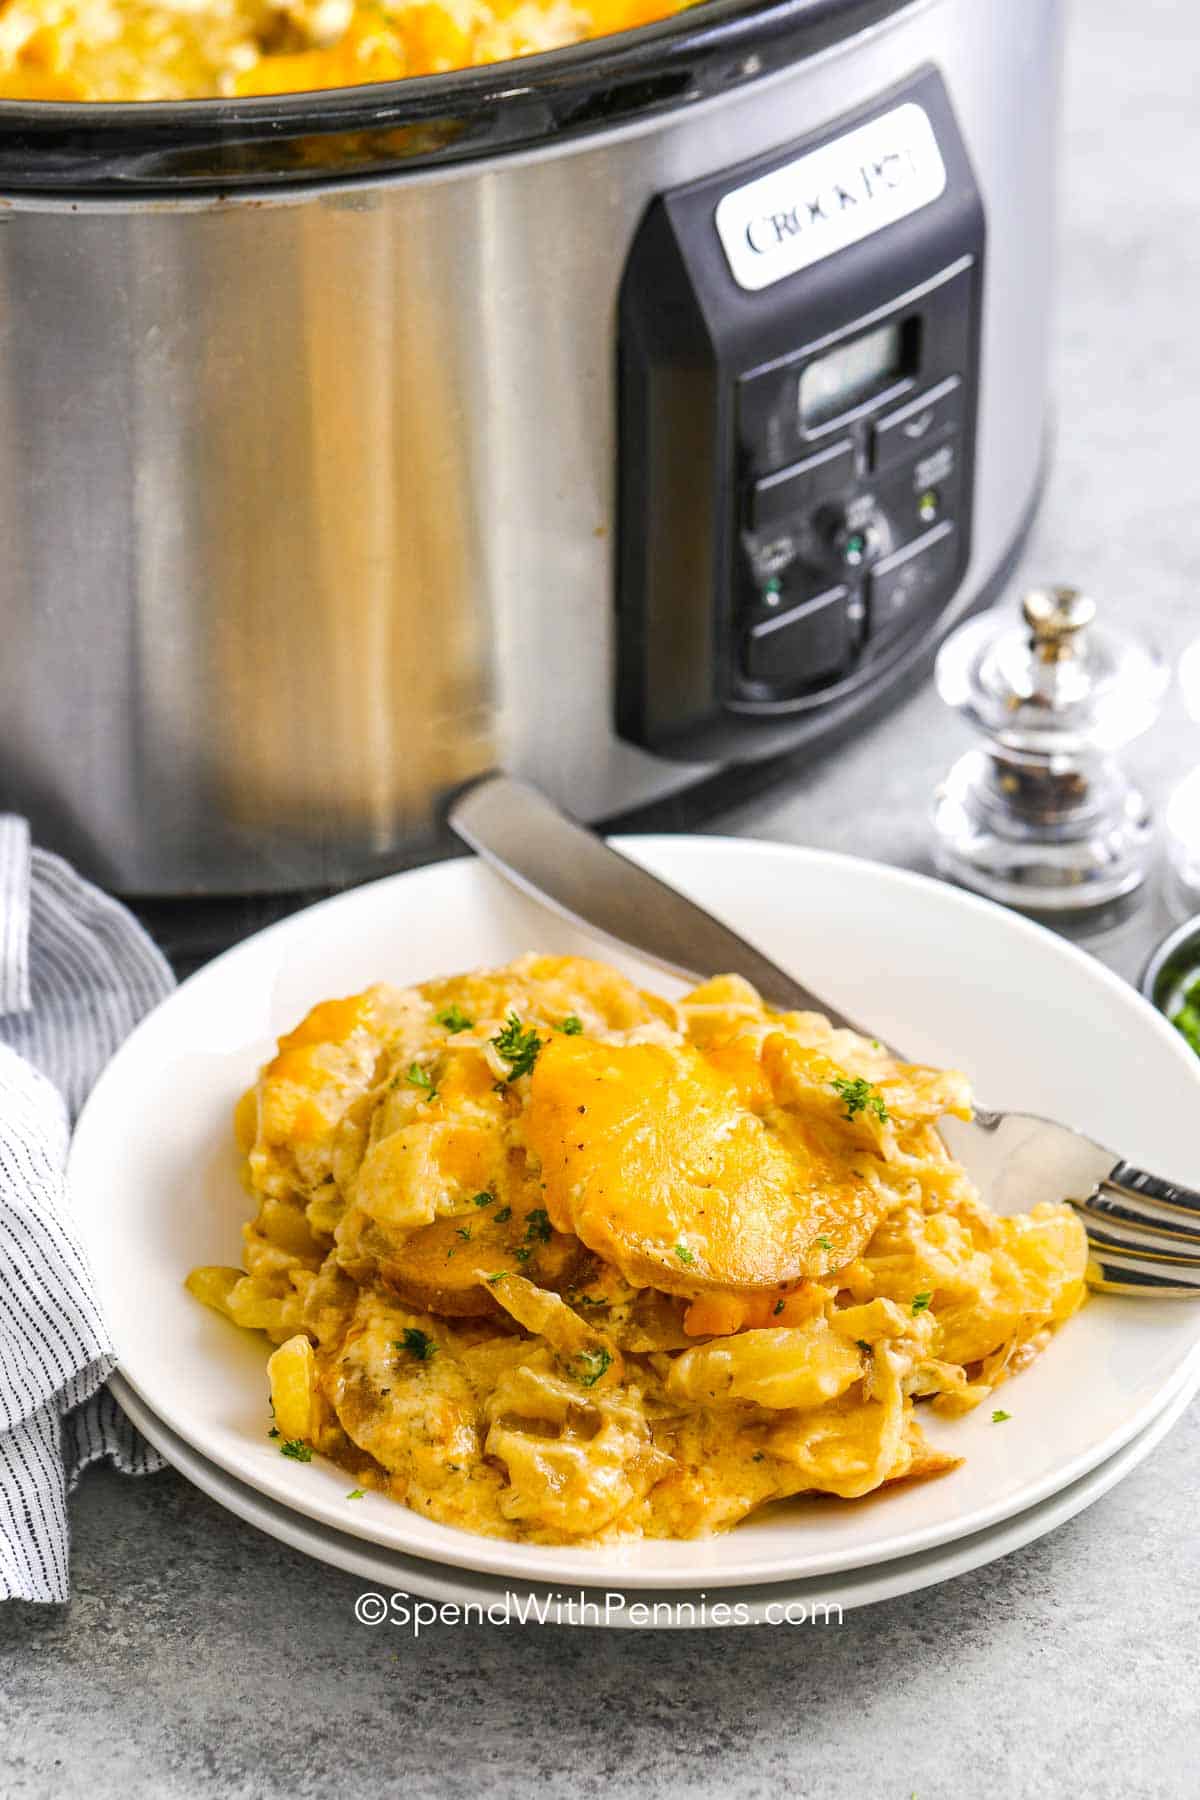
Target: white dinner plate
<point>1038,1024</point>
<point>781,1602</point>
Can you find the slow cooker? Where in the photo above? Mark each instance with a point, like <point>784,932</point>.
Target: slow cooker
<point>614,416</point>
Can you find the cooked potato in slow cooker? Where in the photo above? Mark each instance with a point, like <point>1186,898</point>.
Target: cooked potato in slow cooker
<point>187,49</point>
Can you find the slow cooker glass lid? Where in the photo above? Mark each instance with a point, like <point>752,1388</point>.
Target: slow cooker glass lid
<point>463,115</point>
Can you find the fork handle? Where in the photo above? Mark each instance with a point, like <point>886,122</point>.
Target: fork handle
<point>550,856</point>
<point>1139,1184</point>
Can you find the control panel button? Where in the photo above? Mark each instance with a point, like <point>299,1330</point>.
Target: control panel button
<point>901,585</point>
<point>857,543</point>
<point>936,469</point>
<point>804,644</point>
<point>908,430</point>
<point>789,491</point>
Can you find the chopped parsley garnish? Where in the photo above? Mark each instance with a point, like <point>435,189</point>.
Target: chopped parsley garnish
<point>421,1078</point>
<point>519,1047</point>
<point>591,1365</point>
<point>274,1431</point>
<point>1187,1020</point>
<point>453,1018</point>
<point>537,1226</point>
<point>759,1456</point>
<point>523,1254</point>
<point>356,1494</point>
<point>685,1256</point>
<point>778,1308</point>
<point>504,1215</point>
<point>484,1199</point>
<point>920,1302</point>
<point>825,1243</point>
<point>859,1096</point>
<point>498,1276</point>
<point>297,1449</point>
<point>416,1343</point>
<point>464,1232</point>
<point>999,1416</point>
<point>571,1025</point>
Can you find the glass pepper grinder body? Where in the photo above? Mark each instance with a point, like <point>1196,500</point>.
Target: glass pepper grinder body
<point>1182,820</point>
<point>1040,815</point>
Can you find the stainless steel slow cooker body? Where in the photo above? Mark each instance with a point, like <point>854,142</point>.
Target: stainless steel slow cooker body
<point>308,434</point>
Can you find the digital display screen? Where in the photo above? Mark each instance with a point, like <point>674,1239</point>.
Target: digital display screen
<point>851,373</point>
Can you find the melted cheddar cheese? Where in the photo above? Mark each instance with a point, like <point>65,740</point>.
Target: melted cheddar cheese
<point>551,1258</point>
<point>180,49</point>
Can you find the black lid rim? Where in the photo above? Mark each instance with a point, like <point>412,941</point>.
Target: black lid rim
<point>338,134</point>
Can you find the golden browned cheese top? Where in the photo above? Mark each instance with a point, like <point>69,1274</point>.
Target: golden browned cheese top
<point>686,1171</point>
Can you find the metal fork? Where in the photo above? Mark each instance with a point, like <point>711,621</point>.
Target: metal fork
<point>1144,1232</point>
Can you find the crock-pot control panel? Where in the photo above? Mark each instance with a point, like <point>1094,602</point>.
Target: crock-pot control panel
<point>799,360</point>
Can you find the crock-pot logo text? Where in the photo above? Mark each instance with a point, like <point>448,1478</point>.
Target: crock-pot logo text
<point>831,198</point>
<point>766,231</point>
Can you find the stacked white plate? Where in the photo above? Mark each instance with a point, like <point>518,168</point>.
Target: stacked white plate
<point>1038,1025</point>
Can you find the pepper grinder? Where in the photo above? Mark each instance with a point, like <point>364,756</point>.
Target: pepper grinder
<point>1182,818</point>
<point>1040,816</point>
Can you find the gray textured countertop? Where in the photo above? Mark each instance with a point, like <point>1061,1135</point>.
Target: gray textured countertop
<point>197,1654</point>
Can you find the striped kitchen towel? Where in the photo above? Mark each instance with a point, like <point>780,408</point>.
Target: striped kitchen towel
<point>77,972</point>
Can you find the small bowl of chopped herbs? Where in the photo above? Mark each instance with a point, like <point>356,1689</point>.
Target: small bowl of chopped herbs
<point>1171,980</point>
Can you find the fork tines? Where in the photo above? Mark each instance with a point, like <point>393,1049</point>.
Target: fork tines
<point>1140,1244</point>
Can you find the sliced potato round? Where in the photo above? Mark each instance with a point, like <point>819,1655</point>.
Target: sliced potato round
<point>587,1355</point>
<point>444,1267</point>
<point>650,1155</point>
<point>789,1366</point>
<point>292,1373</point>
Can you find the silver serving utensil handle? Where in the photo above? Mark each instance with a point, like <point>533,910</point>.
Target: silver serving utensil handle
<point>561,864</point>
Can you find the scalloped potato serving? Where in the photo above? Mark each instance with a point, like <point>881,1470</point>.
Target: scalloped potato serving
<point>551,1258</point>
